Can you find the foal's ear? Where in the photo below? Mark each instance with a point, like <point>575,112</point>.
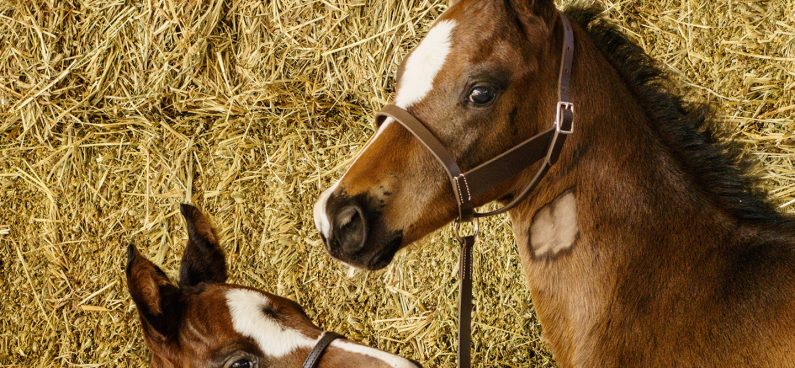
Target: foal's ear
<point>530,11</point>
<point>159,301</point>
<point>203,261</point>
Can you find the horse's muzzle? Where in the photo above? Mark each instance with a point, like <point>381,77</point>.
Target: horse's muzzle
<point>355,232</point>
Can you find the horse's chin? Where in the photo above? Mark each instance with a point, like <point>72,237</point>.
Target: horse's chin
<point>383,258</point>
<point>374,258</point>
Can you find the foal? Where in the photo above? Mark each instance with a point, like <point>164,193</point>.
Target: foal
<point>205,322</point>
<point>644,245</point>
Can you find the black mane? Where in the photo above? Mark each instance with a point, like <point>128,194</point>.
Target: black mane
<point>717,167</point>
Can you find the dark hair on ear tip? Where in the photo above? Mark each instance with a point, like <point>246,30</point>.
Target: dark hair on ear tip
<point>131,254</point>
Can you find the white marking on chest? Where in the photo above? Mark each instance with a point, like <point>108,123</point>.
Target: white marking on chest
<point>554,227</point>
<point>275,340</point>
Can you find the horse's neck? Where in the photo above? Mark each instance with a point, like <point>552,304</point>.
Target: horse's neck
<point>635,214</point>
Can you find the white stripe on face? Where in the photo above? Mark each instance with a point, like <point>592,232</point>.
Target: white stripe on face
<point>424,64</point>
<point>416,82</point>
<point>275,340</point>
<point>248,319</point>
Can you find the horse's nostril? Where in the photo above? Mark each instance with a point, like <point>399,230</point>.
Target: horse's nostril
<point>350,228</point>
<point>346,216</point>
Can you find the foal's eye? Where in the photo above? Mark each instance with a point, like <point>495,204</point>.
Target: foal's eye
<point>482,95</point>
<point>242,363</point>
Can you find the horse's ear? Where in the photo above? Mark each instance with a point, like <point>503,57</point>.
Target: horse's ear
<point>159,301</point>
<point>203,260</point>
<point>529,11</point>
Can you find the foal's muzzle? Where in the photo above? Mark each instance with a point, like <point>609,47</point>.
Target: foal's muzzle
<point>356,233</point>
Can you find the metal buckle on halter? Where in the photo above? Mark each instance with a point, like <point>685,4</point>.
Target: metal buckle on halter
<point>457,229</point>
<point>563,105</point>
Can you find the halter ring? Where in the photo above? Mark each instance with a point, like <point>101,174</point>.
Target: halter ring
<point>457,229</point>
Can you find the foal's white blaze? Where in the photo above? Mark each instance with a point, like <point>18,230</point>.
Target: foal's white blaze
<point>248,319</point>
<point>416,82</point>
<point>424,63</point>
<point>275,340</point>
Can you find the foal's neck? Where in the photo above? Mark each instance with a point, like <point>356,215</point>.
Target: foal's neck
<point>636,211</point>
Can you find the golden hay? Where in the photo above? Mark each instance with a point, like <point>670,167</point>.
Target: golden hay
<point>113,112</point>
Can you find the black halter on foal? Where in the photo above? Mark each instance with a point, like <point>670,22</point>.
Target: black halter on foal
<point>547,146</point>
<point>317,352</point>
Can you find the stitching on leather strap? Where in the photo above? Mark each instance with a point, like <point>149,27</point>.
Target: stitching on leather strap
<point>466,185</point>
<point>460,194</point>
<point>458,180</point>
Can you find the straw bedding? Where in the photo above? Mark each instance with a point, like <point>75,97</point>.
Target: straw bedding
<point>113,112</point>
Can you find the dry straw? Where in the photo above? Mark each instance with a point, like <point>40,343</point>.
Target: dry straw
<point>114,111</point>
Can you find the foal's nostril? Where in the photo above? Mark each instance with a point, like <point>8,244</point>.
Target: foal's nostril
<point>350,228</point>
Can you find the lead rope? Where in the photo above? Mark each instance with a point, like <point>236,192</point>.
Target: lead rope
<point>465,303</point>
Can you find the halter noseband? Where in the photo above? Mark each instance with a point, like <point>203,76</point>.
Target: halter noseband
<point>317,352</point>
<point>546,145</point>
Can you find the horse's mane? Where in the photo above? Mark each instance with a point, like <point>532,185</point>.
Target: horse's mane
<point>686,128</point>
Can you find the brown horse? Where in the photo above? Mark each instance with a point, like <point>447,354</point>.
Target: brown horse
<point>645,245</point>
<point>205,322</point>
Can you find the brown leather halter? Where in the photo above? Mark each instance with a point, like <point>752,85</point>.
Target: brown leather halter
<point>546,145</point>
<point>317,352</point>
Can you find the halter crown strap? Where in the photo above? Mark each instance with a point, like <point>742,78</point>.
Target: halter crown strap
<point>317,352</point>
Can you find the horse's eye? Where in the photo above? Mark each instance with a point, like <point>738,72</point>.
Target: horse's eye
<point>482,96</point>
<point>242,363</point>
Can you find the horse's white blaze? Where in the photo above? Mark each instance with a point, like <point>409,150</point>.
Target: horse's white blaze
<point>554,227</point>
<point>424,64</point>
<point>248,319</point>
<point>421,69</point>
<point>275,340</point>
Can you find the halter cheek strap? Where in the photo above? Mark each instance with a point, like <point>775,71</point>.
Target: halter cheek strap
<point>317,352</point>
<point>476,182</point>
